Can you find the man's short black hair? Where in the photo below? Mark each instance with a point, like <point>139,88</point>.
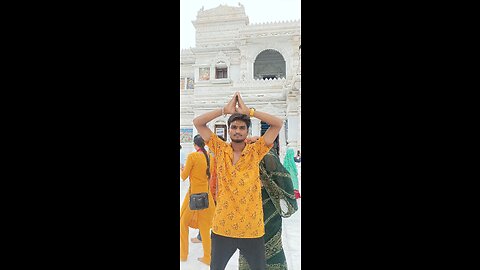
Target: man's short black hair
<point>240,117</point>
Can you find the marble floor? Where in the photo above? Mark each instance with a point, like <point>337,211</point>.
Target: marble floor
<point>291,238</point>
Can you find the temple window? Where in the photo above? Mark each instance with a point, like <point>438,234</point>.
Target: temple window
<point>269,64</point>
<point>221,73</point>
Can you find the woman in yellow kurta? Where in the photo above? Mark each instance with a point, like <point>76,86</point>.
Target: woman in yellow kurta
<point>197,168</point>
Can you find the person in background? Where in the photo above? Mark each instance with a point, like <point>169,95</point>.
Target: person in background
<point>213,187</point>
<point>289,164</point>
<point>197,169</point>
<point>278,202</point>
<point>298,158</point>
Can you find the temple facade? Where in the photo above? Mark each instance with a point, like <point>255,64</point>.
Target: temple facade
<point>261,61</point>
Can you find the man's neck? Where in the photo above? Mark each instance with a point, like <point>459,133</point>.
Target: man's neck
<point>238,146</point>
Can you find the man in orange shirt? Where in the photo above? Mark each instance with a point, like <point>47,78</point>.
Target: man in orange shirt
<point>238,220</point>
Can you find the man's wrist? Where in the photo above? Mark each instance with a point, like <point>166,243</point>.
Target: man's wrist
<point>251,112</point>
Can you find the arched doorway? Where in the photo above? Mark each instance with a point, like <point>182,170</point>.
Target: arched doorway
<point>269,64</point>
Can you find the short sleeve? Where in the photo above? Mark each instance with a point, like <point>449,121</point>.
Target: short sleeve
<point>261,148</point>
<point>215,144</point>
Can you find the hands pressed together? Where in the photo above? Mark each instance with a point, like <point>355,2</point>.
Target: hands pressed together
<point>236,105</point>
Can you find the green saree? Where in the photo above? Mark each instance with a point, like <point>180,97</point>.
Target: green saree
<point>290,165</point>
<point>278,201</point>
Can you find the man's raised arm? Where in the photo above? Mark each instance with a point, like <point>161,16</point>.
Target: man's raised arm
<point>200,122</point>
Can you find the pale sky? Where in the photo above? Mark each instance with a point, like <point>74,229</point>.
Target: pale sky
<point>257,11</point>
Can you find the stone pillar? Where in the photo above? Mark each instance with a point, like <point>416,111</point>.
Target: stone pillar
<point>255,127</point>
<point>282,143</point>
<point>293,131</point>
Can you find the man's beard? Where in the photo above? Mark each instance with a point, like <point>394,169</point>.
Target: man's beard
<point>238,140</point>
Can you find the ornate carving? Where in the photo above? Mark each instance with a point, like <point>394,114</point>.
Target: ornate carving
<point>221,58</point>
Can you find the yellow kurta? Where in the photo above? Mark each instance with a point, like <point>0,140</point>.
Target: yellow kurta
<point>239,210</point>
<point>196,170</point>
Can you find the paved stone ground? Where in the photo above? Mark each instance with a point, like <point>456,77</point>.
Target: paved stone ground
<point>291,238</point>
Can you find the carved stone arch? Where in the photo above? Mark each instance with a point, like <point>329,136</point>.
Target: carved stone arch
<point>270,64</point>
<point>280,50</point>
<point>286,52</point>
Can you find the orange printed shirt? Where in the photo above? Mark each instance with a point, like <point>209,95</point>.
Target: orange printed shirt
<point>213,176</point>
<point>239,210</point>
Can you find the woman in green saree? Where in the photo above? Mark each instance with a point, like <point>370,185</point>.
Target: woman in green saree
<point>278,202</point>
<point>291,166</point>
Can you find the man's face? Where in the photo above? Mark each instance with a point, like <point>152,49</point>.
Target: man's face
<point>238,131</point>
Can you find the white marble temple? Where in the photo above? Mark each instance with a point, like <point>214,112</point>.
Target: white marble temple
<point>251,54</point>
